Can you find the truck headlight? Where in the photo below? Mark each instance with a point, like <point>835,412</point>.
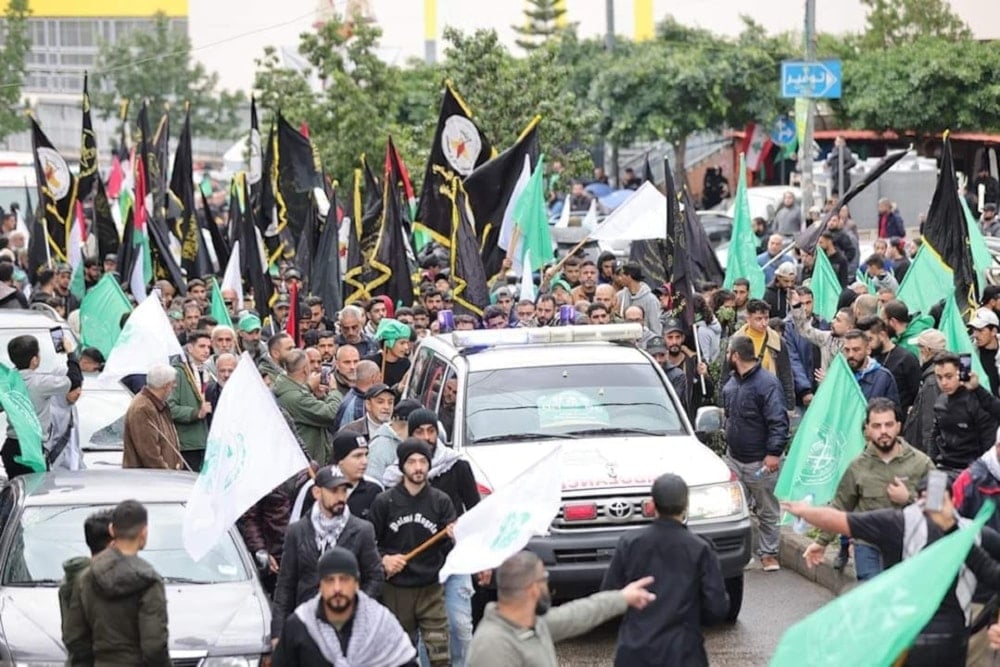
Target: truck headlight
<point>716,501</point>
<point>231,661</point>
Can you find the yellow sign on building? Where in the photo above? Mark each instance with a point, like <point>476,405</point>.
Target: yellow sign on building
<point>107,8</point>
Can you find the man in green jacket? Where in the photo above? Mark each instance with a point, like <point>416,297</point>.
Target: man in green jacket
<point>122,604</point>
<point>904,325</point>
<point>312,407</point>
<point>189,408</point>
<point>884,476</point>
<point>97,535</point>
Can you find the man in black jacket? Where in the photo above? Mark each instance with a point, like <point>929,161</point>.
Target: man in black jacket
<point>965,417</point>
<point>350,455</point>
<point>903,364</point>
<point>342,625</point>
<point>669,632</point>
<point>405,516</point>
<point>756,433</point>
<point>329,524</point>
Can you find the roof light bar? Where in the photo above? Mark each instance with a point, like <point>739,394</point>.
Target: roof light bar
<point>541,335</point>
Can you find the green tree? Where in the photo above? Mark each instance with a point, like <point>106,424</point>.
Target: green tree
<point>541,23</point>
<point>15,45</point>
<point>896,22</point>
<point>156,65</point>
<point>927,85</point>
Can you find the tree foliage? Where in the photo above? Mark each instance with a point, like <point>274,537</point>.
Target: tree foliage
<point>14,46</point>
<point>541,23</point>
<point>896,22</point>
<point>156,65</point>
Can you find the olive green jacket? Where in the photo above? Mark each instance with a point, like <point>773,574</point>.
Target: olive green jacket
<point>185,402</point>
<point>314,418</point>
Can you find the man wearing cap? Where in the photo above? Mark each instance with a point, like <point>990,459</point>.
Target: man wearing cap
<point>385,441</point>
<point>637,293</point>
<point>189,406</point>
<point>919,425</point>
<point>276,324</point>
<point>350,455</point>
<point>657,349</point>
<point>330,524</point>
<point>379,400</point>
<point>352,408</point>
<point>561,292</point>
<point>698,387</point>
<point>405,516</point>
<point>393,359</point>
<point>779,291</point>
<point>299,393</point>
<point>249,330</point>
<point>668,631</point>
<point>342,625</point>
<point>984,325</point>
<point>110,263</point>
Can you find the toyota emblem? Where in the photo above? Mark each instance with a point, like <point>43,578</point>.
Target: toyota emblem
<point>619,508</point>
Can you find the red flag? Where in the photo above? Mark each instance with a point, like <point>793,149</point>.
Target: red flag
<point>115,178</point>
<point>304,129</point>
<point>292,323</point>
<point>395,170</point>
<point>140,196</point>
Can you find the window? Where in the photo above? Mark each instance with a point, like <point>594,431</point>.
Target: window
<point>563,401</point>
<point>418,376</point>
<point>49,535</point>
<point>6,505</point>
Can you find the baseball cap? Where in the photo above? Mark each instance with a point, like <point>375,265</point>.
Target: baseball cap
<point>672,324</point>
<point>983,318</point>
<point>559,282</point>
<point>282,302</point>
<point>404,408</point>
<point>249,323</point>
<point>785,270</point>
<point>330,477</point>
<point>378,389</point>
<point>932,339</point>
<point>293,273</point>
<point>656,346</point>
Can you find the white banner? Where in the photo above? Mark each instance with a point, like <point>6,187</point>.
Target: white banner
<point>232,279</point>
<point>641,216</point>
<point>250,451</point>
<point>501,525</point>
<point>148,338</point>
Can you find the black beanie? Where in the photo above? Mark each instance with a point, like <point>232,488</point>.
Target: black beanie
<point>346,441</point>
<point>412,446</point>
<point>420,417</point>
<point>337,560</point>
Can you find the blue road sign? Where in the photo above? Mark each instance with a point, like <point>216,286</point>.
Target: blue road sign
<point>783,132</point>
<point>818,79</point>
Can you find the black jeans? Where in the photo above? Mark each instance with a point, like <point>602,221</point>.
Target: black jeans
<point>11,449</point>
<point>938,650</point>
<point>194,458</point>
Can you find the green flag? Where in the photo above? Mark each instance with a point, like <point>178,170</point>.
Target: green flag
<point>827,440</point>
<point>927,281</point>
<point>953,327</point>
<point>825,287</point>
<point>874,623</point>
<point>100,312</point>
<point>21,415</point>
<point>982,260</point>
<point>742,261</point>
<point>218,309</point>
<point>532,221</point>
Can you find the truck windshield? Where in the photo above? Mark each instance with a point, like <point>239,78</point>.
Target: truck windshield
<point>567,401</point>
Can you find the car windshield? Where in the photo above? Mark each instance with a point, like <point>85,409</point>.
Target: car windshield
<point>47,536</point>
<point>563,401</point>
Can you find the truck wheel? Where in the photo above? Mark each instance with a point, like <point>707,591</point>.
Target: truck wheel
<point>734,586</point>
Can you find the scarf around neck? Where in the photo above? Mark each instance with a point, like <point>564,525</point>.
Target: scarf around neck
<point>377,638</point>
<point>328,528</point>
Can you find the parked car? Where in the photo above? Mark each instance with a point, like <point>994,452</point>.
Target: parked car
<point>619,423</point>
<point>218,613</point>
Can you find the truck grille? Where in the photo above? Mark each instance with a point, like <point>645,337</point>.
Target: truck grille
<point>618,511</point>
<point>728,543</point>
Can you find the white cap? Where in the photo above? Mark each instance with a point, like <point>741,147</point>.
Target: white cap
<point>786,270</point>
<point>984,317</point>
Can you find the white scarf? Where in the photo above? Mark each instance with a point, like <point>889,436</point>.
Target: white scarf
<point>377,638</point>
<point>328,528</point>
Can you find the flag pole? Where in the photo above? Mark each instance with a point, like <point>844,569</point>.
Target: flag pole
<point>701,359</point>
<point>427,544</point>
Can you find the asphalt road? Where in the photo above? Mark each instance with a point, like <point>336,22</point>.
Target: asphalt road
<point>772,602</point>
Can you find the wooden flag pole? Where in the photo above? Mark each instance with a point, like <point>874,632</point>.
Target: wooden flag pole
<point>427,544</point>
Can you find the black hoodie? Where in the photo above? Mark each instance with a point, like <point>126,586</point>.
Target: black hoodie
<point>404,522</point>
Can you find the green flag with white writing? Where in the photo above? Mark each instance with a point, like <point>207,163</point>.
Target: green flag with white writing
<point>101,312</point>
<point>742,260</point>
<point>825,287</point>
<point>927,281</point>
<point>955,332</point>
<point>876,622</point>
<point>829,437</point>
<point>21,415</point>
<point>218,307</point>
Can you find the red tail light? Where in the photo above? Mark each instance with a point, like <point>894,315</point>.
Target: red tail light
<point>582,512</point>
<point>483,490</point>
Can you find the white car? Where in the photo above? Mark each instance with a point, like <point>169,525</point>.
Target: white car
<point>619,424</point>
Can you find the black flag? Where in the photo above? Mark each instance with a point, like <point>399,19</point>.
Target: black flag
<point>458,148</point>
<point>108,242</point>
<point>251,263</point>
<point>57,194</point>
<point>945,229</point>
<point>703,260</point>
<point>470,292</point>
<point>807,239</point>
<point>389,272</point>
<point>195,259</point>
<point>647,172</point>
<point>490,188</point>
<point>159,177</point>
<point>219,241</point>
<point>294,175</point>
<point>88,148</point>
<point>325,274</point>
<point>366,217</point>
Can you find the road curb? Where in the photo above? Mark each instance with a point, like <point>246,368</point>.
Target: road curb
<point>790,556</point>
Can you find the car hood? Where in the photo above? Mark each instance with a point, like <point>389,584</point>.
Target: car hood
<point>597,464</point>
<point>238,623</point>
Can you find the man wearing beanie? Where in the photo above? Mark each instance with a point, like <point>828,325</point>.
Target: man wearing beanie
<point>393,357</point>
<point>405,516</point>
<point>350,455</point>
<point>342,625</point>
<point>668,631</point>
<point>330,525</point>
<point>382,447</point>
<point>451,474</point>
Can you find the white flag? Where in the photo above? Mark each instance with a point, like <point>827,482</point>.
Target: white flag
<point>564,214</point>
<point>507,226</point>
<point>501,525</point>
<point>136,280</point>
<point>250,451</point>
<point>232,279</point>
<point>527,290</point>
<point>148,338</point>
<point>590,221</point>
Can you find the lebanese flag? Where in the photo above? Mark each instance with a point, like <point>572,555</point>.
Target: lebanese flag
<point>756,145</point>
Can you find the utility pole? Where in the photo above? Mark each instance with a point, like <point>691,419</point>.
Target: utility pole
<point>806,160</point>
<point>609,46</point>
